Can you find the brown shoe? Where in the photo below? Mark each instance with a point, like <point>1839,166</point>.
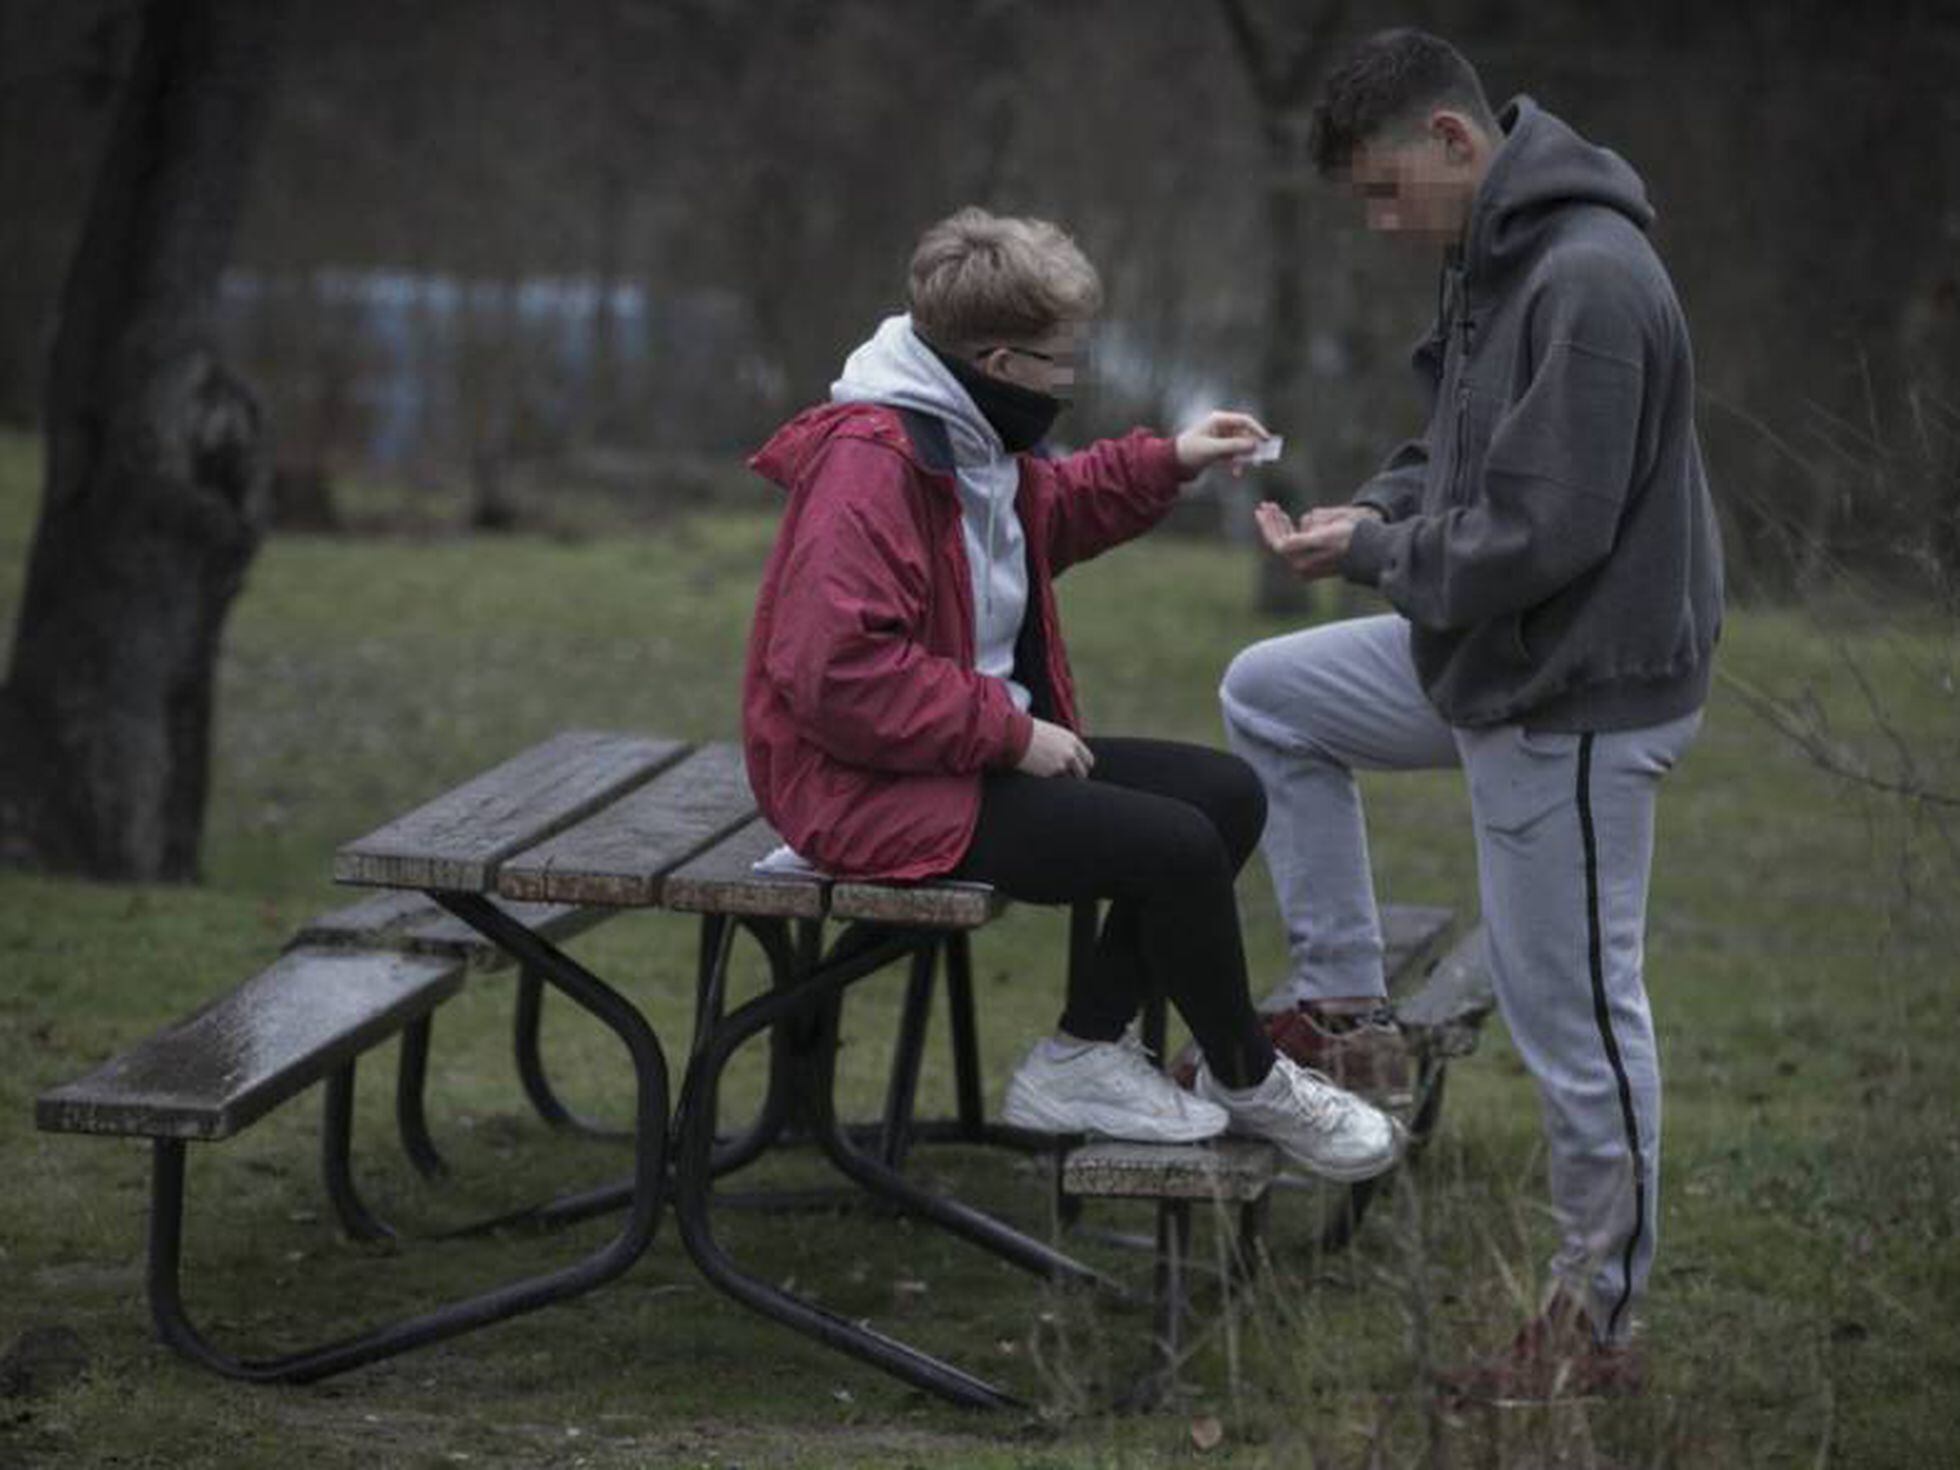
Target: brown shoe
<point>1554,1356</point>
<point>1355,1044</point>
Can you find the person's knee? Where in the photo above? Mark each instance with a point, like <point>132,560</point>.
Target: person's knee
<point>1268,697</point>
<point>1191,852</point>
<point>1250,689</point>
<point>1239,808</point>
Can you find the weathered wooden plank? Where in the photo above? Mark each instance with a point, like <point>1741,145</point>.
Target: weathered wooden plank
<point>373,922</point>
<point>457,840</point>
<point>619,855</point>
<point>1230,1169</point>
<point>929,905</point>
<point>444,933</point>
<point>723,880</point>
<point>401,918</point>
<point>221,1067</point>
<point>1411,937</point>
<point>1445,1016</point>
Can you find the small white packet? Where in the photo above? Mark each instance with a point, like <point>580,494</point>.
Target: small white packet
<point>1266,451</point>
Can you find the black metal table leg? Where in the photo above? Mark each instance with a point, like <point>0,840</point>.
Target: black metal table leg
<point>887,1183</point>
<point>174,1327</point>
<point>336,1169</point>
<point>797,992</point>
<point>969,1121</point>
<point>804,988</point>
<point>1429,1105</point>
<point>411,1088</point>
<point>1173,1249</point>
<point>525,1029</point>
<point>1253,1215</point>
<point>742,1149</point>
<point>908,1053</point>
<point>970,1110</point>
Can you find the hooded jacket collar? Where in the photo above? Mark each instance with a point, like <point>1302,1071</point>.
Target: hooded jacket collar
<point>1540,168</point>
<point>896,368</point>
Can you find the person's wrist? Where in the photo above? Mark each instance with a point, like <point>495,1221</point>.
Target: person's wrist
<point>1020,735</point>
<point>1365,556</point>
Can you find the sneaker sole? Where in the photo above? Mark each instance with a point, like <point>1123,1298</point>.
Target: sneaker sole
<point>1020,1112</point>
<point>1349,1173</point>
<point>1340,1173</point>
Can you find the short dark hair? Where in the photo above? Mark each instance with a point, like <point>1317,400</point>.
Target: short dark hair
<point>1385,81</point>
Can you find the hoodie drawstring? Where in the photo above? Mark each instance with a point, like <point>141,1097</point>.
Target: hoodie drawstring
<point>987,585</point>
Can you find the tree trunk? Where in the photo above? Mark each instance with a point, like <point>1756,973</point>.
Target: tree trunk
<point>156,485</point>
<point>1282,77</point>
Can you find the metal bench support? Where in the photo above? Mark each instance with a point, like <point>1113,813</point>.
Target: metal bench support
<point>167,1309</point>
<point>803,1005</point>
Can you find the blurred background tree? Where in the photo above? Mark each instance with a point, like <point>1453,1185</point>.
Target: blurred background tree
<point>500,251</point>
<point>615,240</point>
<point>155,466</point>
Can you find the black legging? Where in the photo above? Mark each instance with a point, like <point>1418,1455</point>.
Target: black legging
<point>1161,829</point>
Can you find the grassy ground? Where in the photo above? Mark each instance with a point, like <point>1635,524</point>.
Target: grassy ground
<point>1799,959</point>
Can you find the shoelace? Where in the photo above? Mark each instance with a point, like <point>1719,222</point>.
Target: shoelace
<point>1134,1055</point>
<point>1326,1107</point>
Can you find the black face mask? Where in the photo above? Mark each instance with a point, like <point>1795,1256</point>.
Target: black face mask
<point>1021,416</point>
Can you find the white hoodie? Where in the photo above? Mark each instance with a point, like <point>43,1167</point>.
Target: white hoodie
<point>897,369</point>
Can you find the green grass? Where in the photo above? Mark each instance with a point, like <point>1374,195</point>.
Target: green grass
<point>1799,959</point>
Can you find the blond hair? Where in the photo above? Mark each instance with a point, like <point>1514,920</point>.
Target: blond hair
<point>980,278</point>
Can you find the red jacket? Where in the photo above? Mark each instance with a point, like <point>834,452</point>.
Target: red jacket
<point>866,727</point>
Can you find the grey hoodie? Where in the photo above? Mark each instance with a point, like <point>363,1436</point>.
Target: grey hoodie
<point>897,369</point>
<point>1550,537</point>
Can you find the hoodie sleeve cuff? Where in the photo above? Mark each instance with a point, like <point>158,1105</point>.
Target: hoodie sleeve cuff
<point>1380,505</point>
<point>1160,468</point>
<point>1020,735</point>
<point>1368,551</point>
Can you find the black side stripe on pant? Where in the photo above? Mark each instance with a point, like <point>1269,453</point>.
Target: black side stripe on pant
<point>1596,956</point>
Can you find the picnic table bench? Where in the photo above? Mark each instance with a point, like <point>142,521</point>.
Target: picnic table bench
<point>501,869</point>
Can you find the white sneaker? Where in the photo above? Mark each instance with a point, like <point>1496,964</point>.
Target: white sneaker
<point>1110,1088</point>
<point>1330,1132</point>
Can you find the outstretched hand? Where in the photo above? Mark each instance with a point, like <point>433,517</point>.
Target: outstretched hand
<point>1221,435</point>
<point>1312,547</point>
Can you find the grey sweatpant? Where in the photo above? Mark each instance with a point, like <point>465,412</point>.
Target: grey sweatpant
<point>1565,833</point>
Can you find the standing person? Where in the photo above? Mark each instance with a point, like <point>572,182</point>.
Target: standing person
<point>1551,553</point>
<point>908,710</point>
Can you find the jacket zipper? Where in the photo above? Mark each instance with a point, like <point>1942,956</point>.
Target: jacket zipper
<point>1461,323</point>
<point>1457,454</point>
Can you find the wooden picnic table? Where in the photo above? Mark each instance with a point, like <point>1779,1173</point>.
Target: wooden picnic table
<point>581,826</point>
<point>621,821</point>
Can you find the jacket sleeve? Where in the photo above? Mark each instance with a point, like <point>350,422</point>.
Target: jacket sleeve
<point>1556,476</point>
<point>1396,488</point>
<point>844,648</point>
<point>1112,491</point>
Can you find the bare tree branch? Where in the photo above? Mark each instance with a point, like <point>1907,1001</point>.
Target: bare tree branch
<point>1304,71</point>
<point>1281,85</point>
<point>1251,53</point>
<point>1806,730</point>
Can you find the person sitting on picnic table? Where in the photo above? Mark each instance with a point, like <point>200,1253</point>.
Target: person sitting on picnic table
<point>909,713</point>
